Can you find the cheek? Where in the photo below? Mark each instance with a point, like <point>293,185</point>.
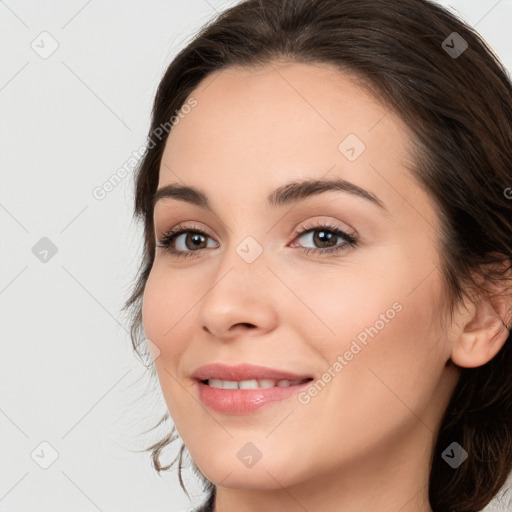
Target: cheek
<point>400,358</point>
<point>340,306</point>
<point>163,309</point>
<point>163,313</point>
<point>378,321</point>
<point>152,308</point>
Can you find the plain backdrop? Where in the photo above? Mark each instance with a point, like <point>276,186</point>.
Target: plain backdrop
<point>77,81</point>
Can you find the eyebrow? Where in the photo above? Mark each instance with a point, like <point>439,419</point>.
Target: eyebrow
<point>289,193</point>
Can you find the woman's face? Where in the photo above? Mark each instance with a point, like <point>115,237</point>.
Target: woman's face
<point>264,286</point>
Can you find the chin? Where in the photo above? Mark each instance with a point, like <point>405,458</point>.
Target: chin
<point>228,472</point>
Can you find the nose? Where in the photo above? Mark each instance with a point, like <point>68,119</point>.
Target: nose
<point>239,301</point>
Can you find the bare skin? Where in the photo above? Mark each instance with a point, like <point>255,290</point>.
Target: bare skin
<point>365,440</point>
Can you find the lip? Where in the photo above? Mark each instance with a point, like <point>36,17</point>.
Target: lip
<point>243,401</point>
<point>244,372</point>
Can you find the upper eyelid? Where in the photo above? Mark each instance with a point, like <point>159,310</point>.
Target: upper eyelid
<point>313,223</point>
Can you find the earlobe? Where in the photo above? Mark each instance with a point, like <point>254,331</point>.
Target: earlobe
<point>482,337</point>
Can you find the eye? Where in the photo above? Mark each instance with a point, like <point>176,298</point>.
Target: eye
<point>190,241</point>
<point>180,235</point>
<point>325,236</point>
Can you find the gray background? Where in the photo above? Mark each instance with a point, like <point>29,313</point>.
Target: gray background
<point>68,121</point>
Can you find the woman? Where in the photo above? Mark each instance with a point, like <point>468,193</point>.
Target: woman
<point>325,285</point>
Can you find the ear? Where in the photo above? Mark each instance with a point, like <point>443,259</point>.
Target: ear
<point>485,327</point>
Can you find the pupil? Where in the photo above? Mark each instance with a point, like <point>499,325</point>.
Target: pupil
<point>323,237</point>
<point>197,239</point>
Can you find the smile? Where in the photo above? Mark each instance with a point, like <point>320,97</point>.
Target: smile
<point>234,398</point>
<point>252,384</point>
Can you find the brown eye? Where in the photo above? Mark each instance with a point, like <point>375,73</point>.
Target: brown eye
<point>181,241</point>
<point>194,241</point>
<point>324,238</point>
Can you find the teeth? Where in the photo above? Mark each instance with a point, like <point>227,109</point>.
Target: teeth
<point>248,384</point>
<point>229,384</point>
<point>252,384</point>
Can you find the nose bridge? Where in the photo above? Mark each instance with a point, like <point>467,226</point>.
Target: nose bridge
<point>246,241</point>
<point>239,289</point>
<point>243,265</point>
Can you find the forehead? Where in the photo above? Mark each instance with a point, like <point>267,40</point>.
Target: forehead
<point>257,128</point>
<point>280,104</point>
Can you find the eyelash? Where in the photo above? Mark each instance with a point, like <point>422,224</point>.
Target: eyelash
<point>170,235</point>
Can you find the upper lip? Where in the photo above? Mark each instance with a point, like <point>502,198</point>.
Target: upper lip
<point>244,372</point>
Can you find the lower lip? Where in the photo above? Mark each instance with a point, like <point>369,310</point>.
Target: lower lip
<point>242,401</point>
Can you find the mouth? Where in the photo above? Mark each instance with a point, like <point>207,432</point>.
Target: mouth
<point>245,388</point>
<point>245,372</point>
<point>253,383</point>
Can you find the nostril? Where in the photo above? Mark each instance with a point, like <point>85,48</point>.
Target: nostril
<point>243,324</point>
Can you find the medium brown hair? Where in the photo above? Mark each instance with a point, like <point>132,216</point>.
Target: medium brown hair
<point>459,112</point>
